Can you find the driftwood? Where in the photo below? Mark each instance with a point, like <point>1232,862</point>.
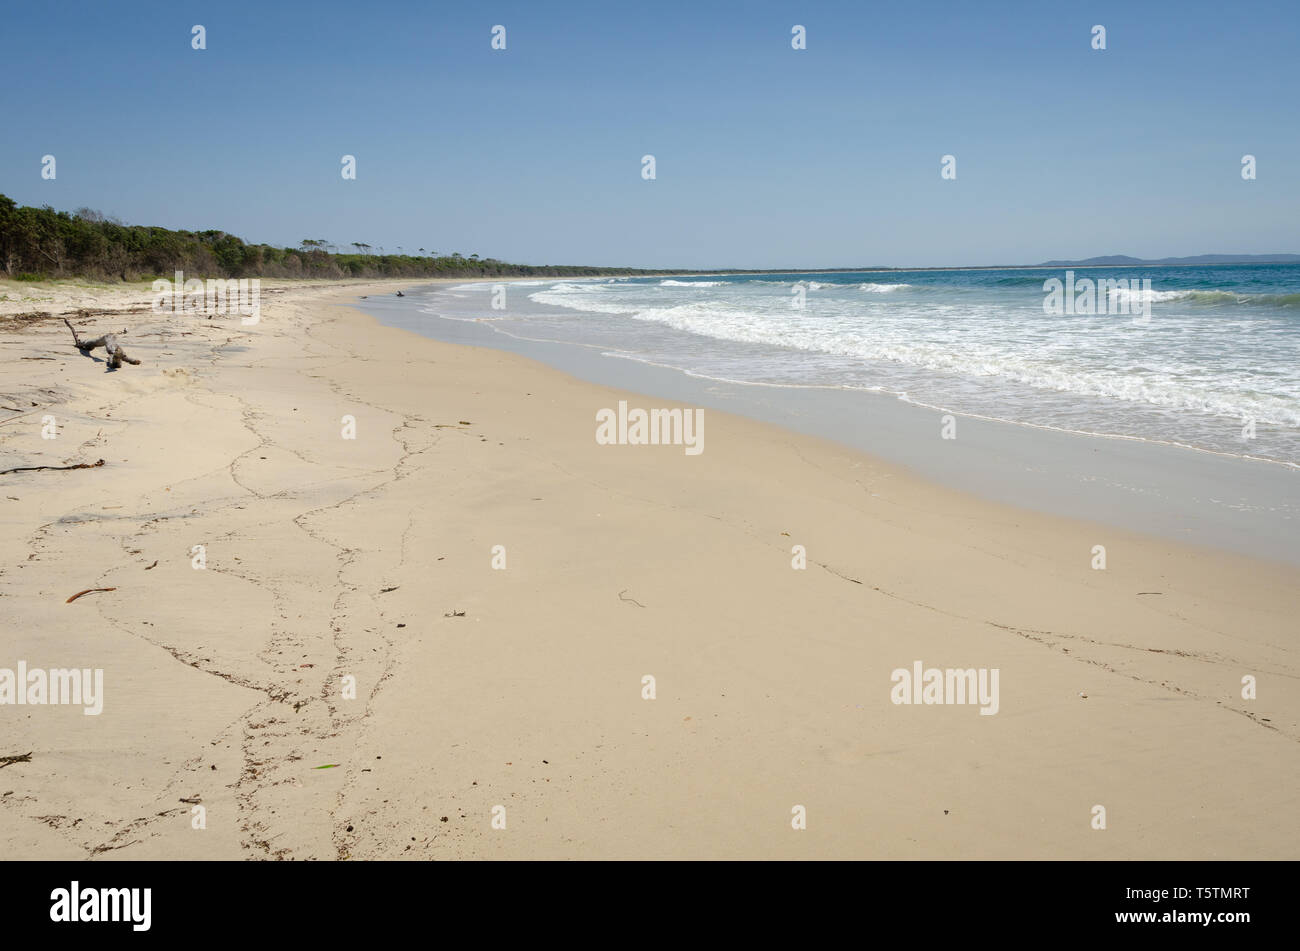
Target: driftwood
<point>116,355</point>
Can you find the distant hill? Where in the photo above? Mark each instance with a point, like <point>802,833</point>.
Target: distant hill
<point>1120,260</point>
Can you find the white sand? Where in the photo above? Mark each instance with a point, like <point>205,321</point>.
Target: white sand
<point>773,684</point>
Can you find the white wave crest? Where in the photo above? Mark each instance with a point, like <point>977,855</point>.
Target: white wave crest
<point>1124,295</point>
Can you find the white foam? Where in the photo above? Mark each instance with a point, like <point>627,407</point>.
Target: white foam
<point>1123,295</point>
<point>999,340</point>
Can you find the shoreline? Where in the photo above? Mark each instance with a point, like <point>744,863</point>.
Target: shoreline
<point>1165,489</point>
<point>523,687</point>
<point>873,393</point>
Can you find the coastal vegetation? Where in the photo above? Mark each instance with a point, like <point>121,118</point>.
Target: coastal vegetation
<point>41,243</point>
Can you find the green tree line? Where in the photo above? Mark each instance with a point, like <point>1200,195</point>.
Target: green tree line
<point>39,243</point>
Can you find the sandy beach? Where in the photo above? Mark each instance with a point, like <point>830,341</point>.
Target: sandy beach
<point>497,585</point>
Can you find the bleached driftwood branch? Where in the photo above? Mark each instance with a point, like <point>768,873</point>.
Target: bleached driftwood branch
<point>116,355</point>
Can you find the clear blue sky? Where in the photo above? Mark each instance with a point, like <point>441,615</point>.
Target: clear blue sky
<point>767,156</point>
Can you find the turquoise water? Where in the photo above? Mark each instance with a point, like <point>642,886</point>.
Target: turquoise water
<point>1214,365</point>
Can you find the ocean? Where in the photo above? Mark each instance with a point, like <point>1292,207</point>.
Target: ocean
<point>1206,357</point>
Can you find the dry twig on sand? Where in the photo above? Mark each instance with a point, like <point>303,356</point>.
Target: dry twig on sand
<point>80,465</point>
<point>87,591</point>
